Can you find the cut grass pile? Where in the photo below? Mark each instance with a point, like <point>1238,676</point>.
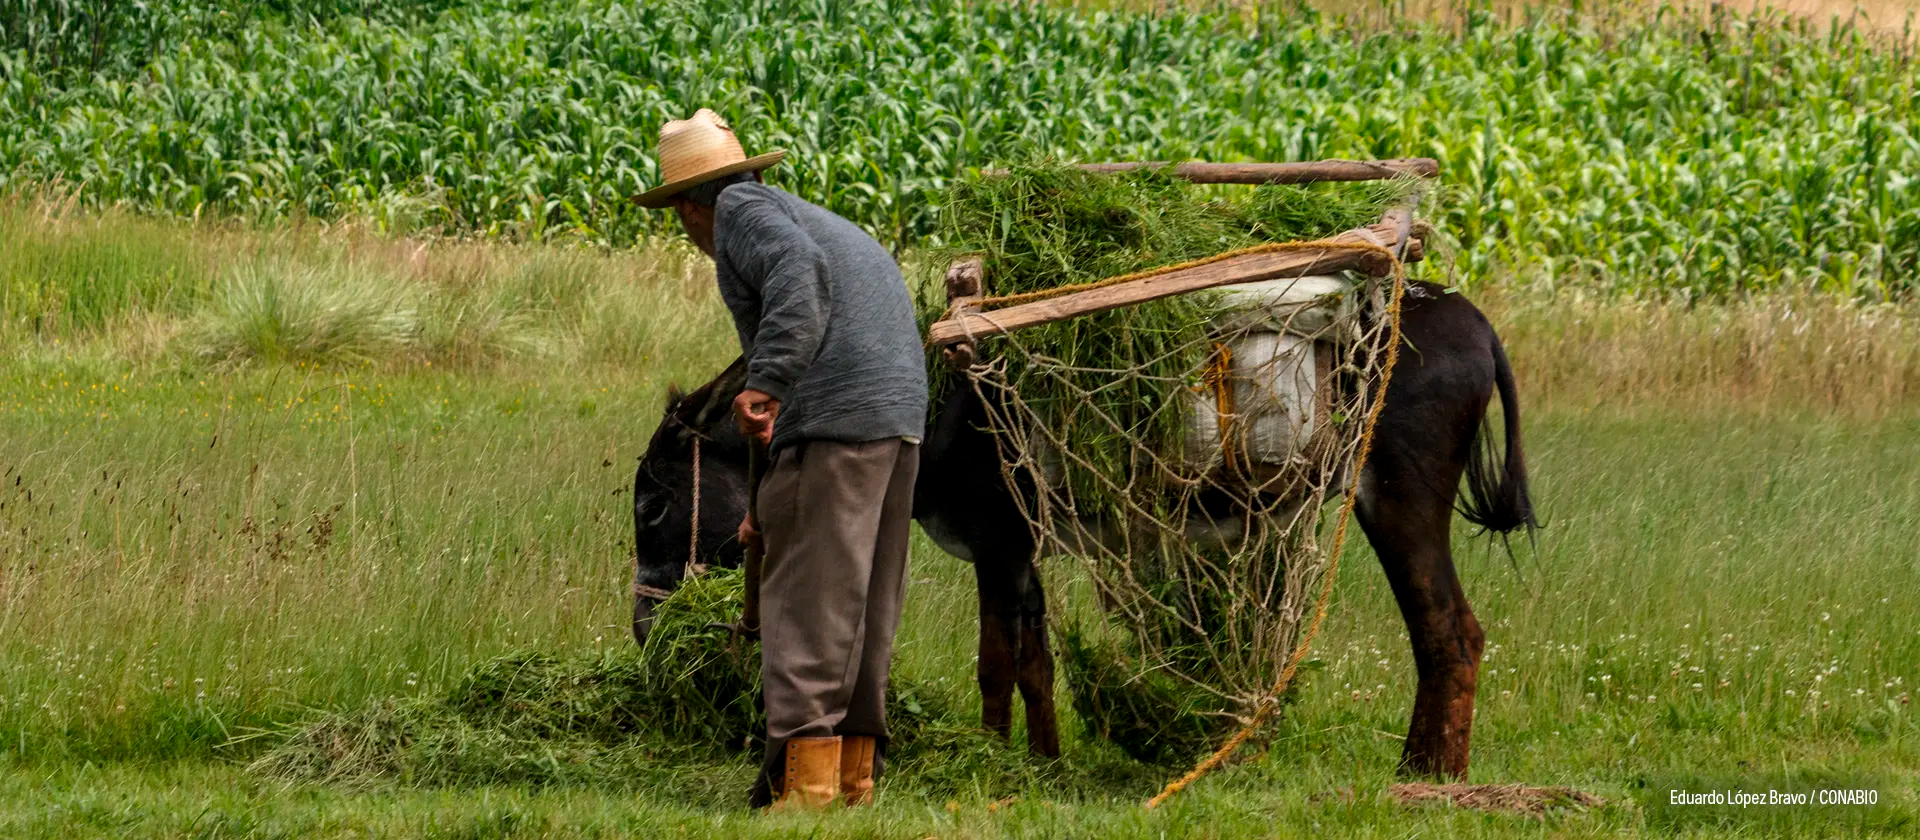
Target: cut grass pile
<point>536,717</point>
<point>1148,715</point>
<point>691,695</point>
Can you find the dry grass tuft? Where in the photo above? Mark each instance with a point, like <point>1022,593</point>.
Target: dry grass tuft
<point>1793,353</point>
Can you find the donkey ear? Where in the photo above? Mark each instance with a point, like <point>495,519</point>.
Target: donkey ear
<point>720,394</point>
<point>674,396</point>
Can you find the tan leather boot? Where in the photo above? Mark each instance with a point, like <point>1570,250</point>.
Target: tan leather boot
<point>856,769</point>
<point>813,775</point>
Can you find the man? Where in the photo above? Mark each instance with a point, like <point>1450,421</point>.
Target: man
<point>837,391</point>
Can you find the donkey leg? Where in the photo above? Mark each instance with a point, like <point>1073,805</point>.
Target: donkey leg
<point>1035,674</point>
<point>999,647</point>
<point>1411,538</point>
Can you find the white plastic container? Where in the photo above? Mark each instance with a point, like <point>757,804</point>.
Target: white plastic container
<point>1260,415</point>
<point>1273,398</point>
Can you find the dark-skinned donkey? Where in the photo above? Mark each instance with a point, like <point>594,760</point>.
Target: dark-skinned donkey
<point>1432,434</point>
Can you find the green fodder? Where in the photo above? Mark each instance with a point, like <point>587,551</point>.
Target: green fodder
<point>692,693</point>
<point>1105,391</point>
<point>1148,715</point>
<point>707,681</point>
<point>1045,224</point>
<point>1124,691</point>
<point>535,717</point>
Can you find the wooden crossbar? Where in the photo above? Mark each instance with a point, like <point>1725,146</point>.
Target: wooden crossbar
<point>968,321</point>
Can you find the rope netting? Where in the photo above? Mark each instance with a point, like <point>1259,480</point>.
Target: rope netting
<point>1190,485</point>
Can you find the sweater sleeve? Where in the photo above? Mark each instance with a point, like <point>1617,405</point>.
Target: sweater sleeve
<point>770,254</point>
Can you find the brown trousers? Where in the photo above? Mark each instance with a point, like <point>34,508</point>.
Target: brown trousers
<point>834,517</point>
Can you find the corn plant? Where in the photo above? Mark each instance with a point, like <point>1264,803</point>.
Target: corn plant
<point>1697,154</point>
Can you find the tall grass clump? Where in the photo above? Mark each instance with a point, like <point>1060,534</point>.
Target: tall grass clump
<point>1783,352</point>
<point>275,313</point>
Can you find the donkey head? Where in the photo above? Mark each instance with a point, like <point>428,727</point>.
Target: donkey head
<point>696,436</point>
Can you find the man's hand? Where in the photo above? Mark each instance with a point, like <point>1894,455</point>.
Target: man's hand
<point>756,412</point>
<point>749,533</point>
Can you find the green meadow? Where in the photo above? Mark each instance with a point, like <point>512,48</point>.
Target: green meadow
<point>328,343</point>
<point>199,551</point>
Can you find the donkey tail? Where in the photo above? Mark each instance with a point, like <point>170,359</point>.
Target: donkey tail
<point>1496,497</point>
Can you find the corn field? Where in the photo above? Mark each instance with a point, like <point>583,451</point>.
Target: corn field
<point>1697,154</point>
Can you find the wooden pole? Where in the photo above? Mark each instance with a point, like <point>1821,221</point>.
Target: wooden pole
<point>1286,173</point>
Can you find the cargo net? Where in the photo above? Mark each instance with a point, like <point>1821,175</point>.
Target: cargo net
<point>1182,452</point>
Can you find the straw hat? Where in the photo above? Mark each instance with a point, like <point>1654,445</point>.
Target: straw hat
<point>695,151</point>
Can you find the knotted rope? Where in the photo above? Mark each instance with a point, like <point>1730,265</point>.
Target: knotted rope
<point>694,567</point>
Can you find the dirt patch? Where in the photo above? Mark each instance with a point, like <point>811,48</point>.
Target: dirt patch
<point>1515,798</point>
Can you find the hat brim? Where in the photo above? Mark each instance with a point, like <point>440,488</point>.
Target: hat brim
<point>662,195</point>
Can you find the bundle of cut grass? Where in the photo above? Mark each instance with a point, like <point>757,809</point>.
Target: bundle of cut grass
<point>1099,399</point>
<point>1148,715</point>
<point>706,683</point>
<point>1043,224</point>
<point>693,693</point>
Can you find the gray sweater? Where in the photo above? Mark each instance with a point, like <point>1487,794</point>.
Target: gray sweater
<point>824,318</point>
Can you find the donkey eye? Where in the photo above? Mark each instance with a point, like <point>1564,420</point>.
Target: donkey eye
<point>652,511</point>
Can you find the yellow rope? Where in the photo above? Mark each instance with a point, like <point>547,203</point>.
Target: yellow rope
<point>1265,248</point>
<point>1272,702</point>
<point>1219,377</point>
